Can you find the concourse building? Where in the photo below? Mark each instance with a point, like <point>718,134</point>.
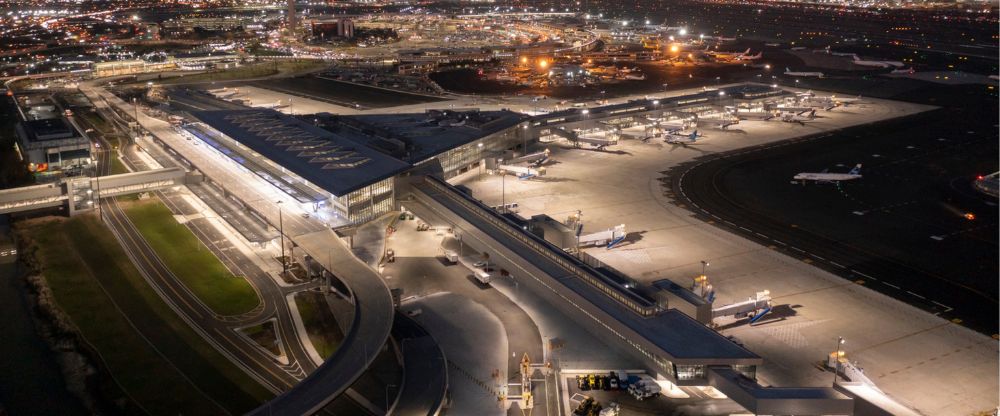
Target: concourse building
<point>351,163</point>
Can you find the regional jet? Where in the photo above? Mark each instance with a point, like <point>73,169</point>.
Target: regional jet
<point>878,64</point>
<point>791,73</point>
<point>825,176</point>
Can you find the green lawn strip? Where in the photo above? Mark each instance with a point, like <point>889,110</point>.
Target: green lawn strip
<point>117,166</point>
<point>95,283</point>
<point>248,71</point>
<point>320,323</point>
<point>264,336</point>
<point>191,261</point>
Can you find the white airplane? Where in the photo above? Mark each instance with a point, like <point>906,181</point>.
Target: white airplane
<point>522,172</point>
<point>598,143</point>
<point>791,73</point>
<point>904,71</point>
<point>825,176</point>
<point>724,124</point>
<point>800,118</point>
<point>683,139</point>
<point>754,115</point>
<point>833,101</point>
<point>877,64</point>
<point>727,55</point>
<point>226,94</point>
<point>750,57</point>
<point>272,106</point>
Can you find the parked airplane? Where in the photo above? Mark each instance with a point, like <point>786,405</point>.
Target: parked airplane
<point>905,71</point>
<point>272,106</point>
<point>522,172</point>
<point>791,73</point>
<point>727,55</point>
<point>754,115</point>
<point>825,176</point>
<point>750,57</point>
<point>597,143</point>
<point>226,94</point>
<point>534,159</point>
<point>800,118</point>
<point>829,102</point>
<point>724,124</point>
<point>683,139</point>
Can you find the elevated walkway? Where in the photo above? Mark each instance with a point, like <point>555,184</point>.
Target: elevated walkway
<point>76,192</point>
<point>373,317</point>
<point>663,339</point>
<point>779,400</point>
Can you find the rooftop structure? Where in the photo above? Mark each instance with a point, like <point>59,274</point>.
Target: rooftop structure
<point>338,163</point>
<point>417,137</point>
<point>48,129</point>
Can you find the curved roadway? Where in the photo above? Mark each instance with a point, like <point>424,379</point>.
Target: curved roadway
<point>372,300</point>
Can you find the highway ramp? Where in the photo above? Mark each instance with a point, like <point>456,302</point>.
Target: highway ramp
<point>373,316</point>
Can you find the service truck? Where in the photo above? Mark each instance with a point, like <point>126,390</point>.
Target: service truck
<point>643,386</point>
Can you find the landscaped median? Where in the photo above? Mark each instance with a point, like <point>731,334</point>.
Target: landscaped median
<point>154,362</point>
<point>191,261</point>
<point>319,322</point>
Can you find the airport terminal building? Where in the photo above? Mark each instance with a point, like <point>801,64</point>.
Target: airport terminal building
<point>351,163</point>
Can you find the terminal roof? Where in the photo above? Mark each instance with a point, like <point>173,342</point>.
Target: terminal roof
<point>747,91</point>
<point>48,129</point>
<point>337,162</point>
<point>429,134</point>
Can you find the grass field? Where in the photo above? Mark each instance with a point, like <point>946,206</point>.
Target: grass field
<point>320,323</point>
<point>264,336</point>
<point>120,316</point>
<point>191,261</point>
<point>249,71</point>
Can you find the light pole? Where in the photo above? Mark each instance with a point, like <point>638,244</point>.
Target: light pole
<point>387,397</point>
<point>281,240</point>
<point>503,191</point>
<point>704,264</point>
<point>836,360</point>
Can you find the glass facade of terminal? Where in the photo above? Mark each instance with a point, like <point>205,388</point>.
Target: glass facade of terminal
<point>367,203</point>
<point>459,160</point>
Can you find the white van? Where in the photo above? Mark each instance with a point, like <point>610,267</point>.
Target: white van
<point>482,277</point>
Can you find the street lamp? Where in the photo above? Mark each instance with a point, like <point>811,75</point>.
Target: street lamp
<point>387,396</point>
<point>836,362</point>
<point>704,264</point>
<point>281,240</point>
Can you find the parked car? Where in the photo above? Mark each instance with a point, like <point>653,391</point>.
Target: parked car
<point>585,406</point>
<point>613,381</point>
<point>479,264</point>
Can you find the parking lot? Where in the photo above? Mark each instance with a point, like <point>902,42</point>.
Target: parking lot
<point>896,343</point>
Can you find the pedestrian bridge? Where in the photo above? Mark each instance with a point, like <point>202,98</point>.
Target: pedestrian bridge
<point>79,194</point>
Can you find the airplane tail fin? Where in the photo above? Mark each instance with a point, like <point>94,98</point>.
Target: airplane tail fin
<point>856,170</point>
<point>747,52</point>
<point>787,69</point>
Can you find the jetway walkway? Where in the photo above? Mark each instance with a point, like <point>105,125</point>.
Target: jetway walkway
<point>671,343</point>
<point>779,400</point>
<point>75,193</point>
